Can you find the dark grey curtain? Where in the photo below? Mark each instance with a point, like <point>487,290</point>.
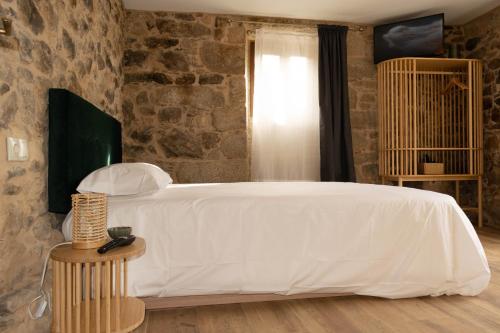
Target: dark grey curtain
<point>335,127</point>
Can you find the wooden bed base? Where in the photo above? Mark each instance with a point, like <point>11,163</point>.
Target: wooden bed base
<point>157,303</point>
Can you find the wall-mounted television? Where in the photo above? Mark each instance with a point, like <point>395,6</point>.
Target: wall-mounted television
<point>420,37</point>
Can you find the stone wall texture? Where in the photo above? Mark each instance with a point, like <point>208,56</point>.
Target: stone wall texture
<point>53,43</point>
<point>185,95</point>
<point>454,36</point>
<point>482,41</point>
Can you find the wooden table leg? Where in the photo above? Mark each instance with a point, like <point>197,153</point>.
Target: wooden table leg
<point>78,295</point>
<point>69,303</point>
<point>125,278</point>
<point>56,309</point>
<point>117,293</point>
<point>88,295</point>
<point>97,297</point>
<point>108,296</point>
<point>480,202</point>
<point>62,296</point>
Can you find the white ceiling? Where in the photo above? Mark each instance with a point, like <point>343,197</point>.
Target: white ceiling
<point>355,11</point>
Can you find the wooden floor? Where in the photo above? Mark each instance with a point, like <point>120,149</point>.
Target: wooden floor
<point>348,313</point>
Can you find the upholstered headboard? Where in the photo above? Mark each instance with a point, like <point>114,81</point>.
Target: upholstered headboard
<point>82,139</point>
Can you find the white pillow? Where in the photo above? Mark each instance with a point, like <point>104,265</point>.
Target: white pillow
<point>125,179</point>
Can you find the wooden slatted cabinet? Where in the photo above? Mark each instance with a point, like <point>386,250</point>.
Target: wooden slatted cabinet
<point>89,292</point>
<point>430,111</point>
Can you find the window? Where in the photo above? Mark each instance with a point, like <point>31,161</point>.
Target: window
<point>285,120</point>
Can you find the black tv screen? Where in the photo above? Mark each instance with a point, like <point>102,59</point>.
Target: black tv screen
<point>421,37</point>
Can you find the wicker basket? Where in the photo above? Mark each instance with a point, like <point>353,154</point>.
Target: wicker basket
<point>432,168</point>
<point>89,220</point>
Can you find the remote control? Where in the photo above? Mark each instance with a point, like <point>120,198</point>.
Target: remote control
<point>122,241</point>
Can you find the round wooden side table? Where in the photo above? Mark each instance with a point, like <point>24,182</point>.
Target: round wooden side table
<point>89,292</point>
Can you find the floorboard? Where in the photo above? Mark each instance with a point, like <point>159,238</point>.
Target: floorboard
<point>346,313</point>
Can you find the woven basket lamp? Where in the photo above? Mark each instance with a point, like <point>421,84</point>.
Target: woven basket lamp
<point>89,220</point>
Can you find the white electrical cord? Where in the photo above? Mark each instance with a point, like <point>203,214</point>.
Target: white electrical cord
<point>44,296</point>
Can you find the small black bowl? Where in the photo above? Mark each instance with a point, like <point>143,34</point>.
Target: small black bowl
<point>117,232</point>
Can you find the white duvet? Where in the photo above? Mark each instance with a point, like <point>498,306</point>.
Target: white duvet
<point>289,238</point>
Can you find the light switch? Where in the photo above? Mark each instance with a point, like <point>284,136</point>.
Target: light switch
<point>17,149</point>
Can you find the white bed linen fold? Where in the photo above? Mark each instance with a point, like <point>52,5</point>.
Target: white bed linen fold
<point>289,238</point>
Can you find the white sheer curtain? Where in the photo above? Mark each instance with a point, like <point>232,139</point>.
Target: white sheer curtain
<point>285,132</point>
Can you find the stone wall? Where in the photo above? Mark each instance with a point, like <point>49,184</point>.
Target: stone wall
<point>363,105</point>
<point>185,95</point>
<point>482,41</point>
<point>68,44</point>
<point>454,37</point>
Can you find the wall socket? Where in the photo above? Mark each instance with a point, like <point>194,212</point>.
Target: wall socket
<point>17,149</point>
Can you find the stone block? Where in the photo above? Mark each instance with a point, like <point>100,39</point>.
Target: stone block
<point>170,115</point>
<point>176,143</point>
<point>234,145</point>
<point>210,140</point>
<point>213,171</point>
<point>229,119</point>
<point>163,43</point>
<point>31,15</point>
<point>181,29</point>
<point>186,79</point>
<point>202,97</point>
<point>151,77</point>
<point>211,78</point>
<point>174,61</point>
<point>134,58</point>
<point>223,58</point>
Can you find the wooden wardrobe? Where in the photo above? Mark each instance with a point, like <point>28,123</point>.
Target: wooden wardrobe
<point>430,122</point>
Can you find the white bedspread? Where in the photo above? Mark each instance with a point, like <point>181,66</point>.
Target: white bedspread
<point>299,237</point>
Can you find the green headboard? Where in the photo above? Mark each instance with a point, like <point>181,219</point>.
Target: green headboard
<point>82,139</point>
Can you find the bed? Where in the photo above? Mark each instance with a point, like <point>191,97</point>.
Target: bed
<point>293,238</point>
<point>236,242</point>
